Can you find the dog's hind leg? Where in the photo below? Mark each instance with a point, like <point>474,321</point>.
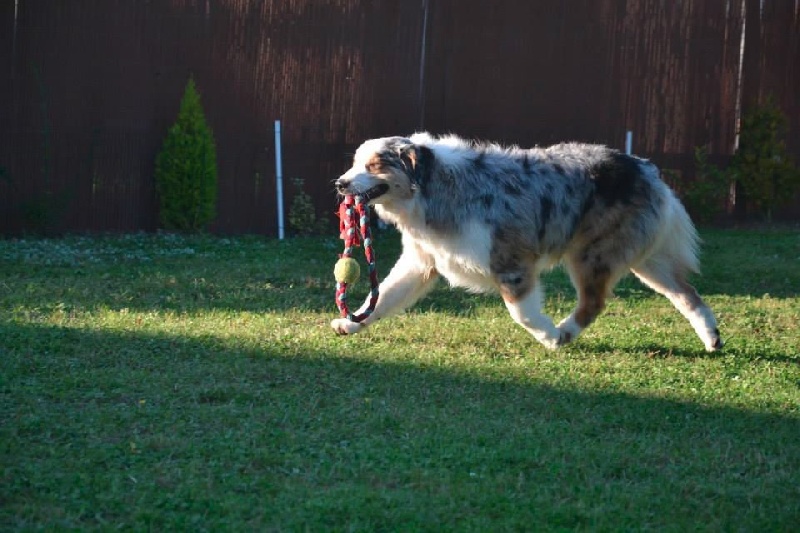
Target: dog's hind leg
<point>594,281</point>
<point>662,274</point>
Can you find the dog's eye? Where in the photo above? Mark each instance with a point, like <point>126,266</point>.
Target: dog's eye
<point>372,168</point>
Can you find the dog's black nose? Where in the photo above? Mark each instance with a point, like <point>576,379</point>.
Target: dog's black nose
<point>341,185</point>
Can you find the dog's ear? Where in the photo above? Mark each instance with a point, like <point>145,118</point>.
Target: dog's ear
<point>417,161</point>
<point>408,156</point>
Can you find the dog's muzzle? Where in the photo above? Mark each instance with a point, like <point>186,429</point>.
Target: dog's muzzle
<point>343,187</point>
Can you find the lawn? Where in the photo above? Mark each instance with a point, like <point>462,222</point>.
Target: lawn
<point>192,383</point>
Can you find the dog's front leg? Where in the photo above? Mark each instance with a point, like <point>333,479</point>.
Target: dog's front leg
<point>410,279</point>
<point>526,310</point>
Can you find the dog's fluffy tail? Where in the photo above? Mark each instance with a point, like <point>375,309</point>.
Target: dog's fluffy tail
<point>677,243</point>
<point>682,241</point>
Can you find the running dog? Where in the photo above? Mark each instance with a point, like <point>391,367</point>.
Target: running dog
<point>492,218</point>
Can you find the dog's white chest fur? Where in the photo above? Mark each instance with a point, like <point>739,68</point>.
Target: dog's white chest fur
<point>462,259</point>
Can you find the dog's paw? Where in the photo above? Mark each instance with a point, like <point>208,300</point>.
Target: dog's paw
<point>565,337</point>
<point>551,342</point>
<point>568,331</point>
<point>343,326</point>
<point>711,339</point>
<point>556,342</point>
<point>715,344</point>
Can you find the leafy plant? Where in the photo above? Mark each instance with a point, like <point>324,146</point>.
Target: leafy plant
<point>303,218</point>
<point>705,196</point>
<point>762,164</point>
<point>186,168</point>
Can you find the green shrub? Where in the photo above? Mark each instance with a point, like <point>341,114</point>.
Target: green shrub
<point>705,196</point>
<point>303,218</point>
<point>186,169</point>
<point>761,164</point>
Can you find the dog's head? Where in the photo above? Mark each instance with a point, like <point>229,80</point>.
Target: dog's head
<point>386,170</point>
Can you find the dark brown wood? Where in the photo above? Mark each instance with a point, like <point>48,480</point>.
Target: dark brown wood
<point>88,89</point>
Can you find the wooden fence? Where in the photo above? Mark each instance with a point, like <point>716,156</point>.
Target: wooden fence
<point>90,87</point>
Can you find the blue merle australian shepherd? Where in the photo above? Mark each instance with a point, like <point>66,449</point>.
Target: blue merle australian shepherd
<point>490,218</point>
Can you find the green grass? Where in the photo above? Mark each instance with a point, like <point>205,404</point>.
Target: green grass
<point>193,383</point>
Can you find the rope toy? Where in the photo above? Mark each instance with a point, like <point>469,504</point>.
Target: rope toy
<point>354,230</point>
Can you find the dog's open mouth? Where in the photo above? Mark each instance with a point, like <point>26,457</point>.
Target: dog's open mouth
<point>375,192</point>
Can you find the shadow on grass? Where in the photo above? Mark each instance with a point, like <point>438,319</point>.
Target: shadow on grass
<point>663,351</point>
<point>137,430</point>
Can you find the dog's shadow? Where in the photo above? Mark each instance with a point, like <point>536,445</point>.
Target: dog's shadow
<point>455,302</point>
<point>653,350</point>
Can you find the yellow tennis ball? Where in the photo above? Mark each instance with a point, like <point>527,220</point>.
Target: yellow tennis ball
<point>346,270</point>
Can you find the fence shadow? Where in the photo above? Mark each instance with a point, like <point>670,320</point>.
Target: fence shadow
<point>305,423</point>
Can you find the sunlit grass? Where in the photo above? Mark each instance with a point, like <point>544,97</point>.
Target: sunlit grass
<point>171,382</point>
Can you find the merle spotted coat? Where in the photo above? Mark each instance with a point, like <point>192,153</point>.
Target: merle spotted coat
<point>492,218</point>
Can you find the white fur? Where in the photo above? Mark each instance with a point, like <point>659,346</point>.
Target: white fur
<point>462,259</point>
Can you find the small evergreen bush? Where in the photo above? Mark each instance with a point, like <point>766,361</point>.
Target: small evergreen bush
<point>186,169</point>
